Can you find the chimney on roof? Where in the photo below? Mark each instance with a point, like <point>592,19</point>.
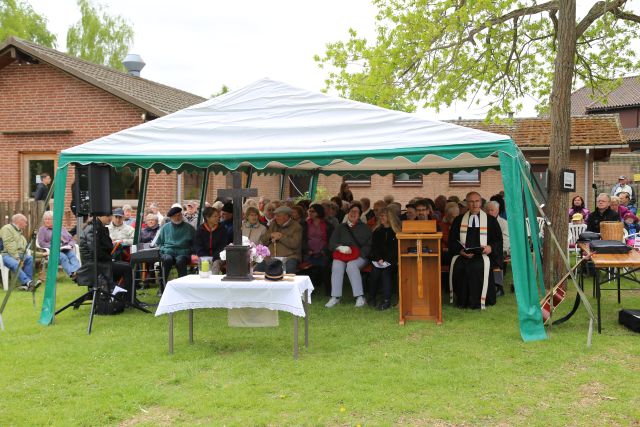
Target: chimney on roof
<point>134,64</point>
<point>510,114</point>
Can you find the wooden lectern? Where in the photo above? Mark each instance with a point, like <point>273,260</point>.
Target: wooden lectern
<point>420,294</point>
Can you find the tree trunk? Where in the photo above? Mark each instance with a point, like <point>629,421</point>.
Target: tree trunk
<point>559,149</point>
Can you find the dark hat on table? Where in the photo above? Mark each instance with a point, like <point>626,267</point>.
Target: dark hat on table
<point>174,210</point>
<point>228,207</point>
<point>274,270</point>
<point>118,212</point>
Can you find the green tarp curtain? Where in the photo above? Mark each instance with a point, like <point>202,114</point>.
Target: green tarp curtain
<point>526,281</point>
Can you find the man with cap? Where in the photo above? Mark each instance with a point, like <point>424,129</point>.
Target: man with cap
<point>226,220</point>
<point>191,215</point>
<point>622,186</point>
<point>118,230</point>
<point>284,238</point>
<point>175,240</point>
<point>625,200</point>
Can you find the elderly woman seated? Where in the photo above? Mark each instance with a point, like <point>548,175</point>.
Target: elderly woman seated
<point>68,259</point>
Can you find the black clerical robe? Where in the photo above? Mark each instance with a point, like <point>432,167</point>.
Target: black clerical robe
<point>468,273</point>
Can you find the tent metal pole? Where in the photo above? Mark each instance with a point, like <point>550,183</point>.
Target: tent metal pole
<point>203,194</point>
<point>313,185</point>
<point>249,179</point>
<point>47,312</point>
<point>249,176</point>
<point>142,198</point>
<point>283,181</point>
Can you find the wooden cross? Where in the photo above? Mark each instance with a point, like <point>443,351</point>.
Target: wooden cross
<point>237,193</point>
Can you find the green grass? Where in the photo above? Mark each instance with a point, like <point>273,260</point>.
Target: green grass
<point>361,368</point>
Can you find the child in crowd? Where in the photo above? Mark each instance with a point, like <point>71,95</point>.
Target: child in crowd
<point>632,227</point>
<point>577,218</point>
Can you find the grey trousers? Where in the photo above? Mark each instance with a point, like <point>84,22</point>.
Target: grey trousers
<point>353,271</point>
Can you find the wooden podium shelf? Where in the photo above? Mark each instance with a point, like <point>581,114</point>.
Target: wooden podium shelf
<point>420,294</point>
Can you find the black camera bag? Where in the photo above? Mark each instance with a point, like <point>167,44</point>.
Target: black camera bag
<point>608,247</point>
<point>630,319</point>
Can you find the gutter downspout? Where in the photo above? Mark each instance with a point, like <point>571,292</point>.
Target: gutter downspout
<point>587,187</point>
<point>179,183</point>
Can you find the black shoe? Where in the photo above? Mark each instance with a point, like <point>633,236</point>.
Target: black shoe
<point>384,305</point>
<point>372,302</point>
<point>499,291</point>
<point>33,286</point>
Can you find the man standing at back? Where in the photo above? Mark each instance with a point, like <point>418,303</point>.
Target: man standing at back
<point>42,189</point>
<point>622,186</point>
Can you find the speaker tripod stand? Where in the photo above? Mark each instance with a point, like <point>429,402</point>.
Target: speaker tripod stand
<point>97,286</point>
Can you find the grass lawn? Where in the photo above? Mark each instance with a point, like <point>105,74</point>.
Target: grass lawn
<point>361,369</point>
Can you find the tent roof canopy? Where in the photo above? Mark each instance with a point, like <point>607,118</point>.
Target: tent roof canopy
<point>271,126</point>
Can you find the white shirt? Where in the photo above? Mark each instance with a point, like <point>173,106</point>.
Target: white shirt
<point>474,220</point>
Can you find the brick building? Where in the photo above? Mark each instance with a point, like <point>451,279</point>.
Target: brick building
<point>625,102</point>
<point>51,101</point>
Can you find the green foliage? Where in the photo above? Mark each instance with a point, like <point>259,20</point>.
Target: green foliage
<point>361,367</point>
<point>99,37</point>
<point>224,89</point>
<point>433,53</point>
<point>18,18</point>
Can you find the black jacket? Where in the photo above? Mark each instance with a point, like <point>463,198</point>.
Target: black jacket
<point>596,217</point>
<point>384,245</point>
<point>104,247</point>
<point>41,192</point>
<point>208,242</point>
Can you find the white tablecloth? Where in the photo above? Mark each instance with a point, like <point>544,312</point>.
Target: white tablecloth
<point>190,292</point>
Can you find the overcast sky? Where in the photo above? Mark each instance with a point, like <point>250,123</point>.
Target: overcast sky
<point>199,45</point>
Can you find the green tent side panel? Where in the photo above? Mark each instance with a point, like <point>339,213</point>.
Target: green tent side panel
<point>524,278</point>
<point>49,303</point>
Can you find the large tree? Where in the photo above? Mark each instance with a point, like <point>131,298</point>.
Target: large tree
<point>99,37</point>
<point>18,18</point>
<point>432,53</point>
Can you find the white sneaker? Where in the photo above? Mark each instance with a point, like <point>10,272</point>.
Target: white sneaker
<point>332,302</point>
<point>360,301</point>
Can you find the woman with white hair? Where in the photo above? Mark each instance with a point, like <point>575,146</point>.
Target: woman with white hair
<point>68,259</point>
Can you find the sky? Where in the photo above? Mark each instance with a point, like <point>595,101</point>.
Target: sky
<point>201,45</point>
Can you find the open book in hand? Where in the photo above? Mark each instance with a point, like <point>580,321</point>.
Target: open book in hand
<point>476,250</point>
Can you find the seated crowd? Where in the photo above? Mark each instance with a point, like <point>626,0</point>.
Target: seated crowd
<point>328,241</point>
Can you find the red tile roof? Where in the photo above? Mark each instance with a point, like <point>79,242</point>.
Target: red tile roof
<point>532,132</point>
<point>153,97</point>
<point>583,101</point>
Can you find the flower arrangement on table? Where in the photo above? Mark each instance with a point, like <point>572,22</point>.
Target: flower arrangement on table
<point>257,252</point>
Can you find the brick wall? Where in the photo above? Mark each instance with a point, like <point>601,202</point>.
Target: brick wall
<point>38,97</point>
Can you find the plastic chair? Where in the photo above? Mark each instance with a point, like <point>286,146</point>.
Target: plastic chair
<point>541,224</point>
<point>5,275</point>
<point>574,233</point>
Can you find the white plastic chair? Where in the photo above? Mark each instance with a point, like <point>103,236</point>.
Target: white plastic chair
<point>5,275</point>
<point>574,233</point>
<point>541,224</point>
